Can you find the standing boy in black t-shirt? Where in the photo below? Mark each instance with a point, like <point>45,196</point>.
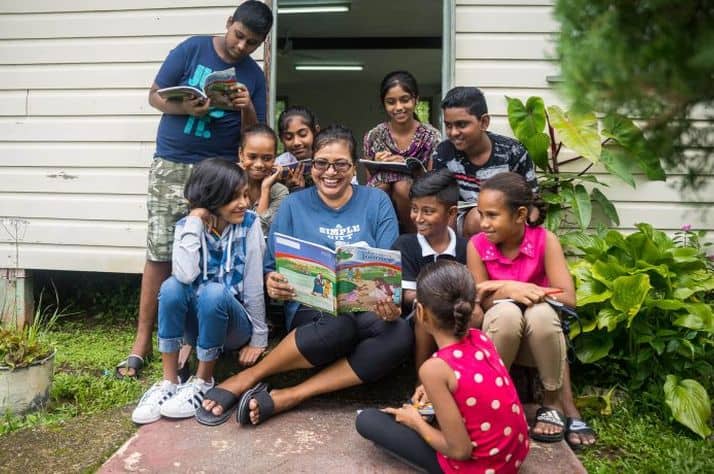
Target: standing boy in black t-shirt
<point>433,205</point>
<point>473,154</point>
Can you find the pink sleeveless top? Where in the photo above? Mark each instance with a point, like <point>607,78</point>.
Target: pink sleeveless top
<point>527,267</point>
<point>488,402</point>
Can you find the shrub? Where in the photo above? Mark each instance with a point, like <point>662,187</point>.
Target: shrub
<point>645,304</point>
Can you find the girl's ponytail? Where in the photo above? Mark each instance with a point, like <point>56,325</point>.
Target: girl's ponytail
<point>462,316</point>
<point>539,204</point>
<point>447,289</point>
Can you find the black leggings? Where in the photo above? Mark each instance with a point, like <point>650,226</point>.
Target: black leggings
<point>373,347</point>
<point>397,439</point>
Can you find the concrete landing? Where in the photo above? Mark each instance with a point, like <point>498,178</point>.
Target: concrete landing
<point>316,437</point>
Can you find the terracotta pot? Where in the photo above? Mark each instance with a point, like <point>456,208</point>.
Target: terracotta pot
<point>27,388</point>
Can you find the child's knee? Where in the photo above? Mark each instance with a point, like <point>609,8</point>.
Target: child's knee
<point>171,288</point>
<point>504,317</point>
<point>542,319</point>
<point>212,294</point>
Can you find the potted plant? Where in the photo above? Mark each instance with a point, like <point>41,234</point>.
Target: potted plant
<point>27,360</point>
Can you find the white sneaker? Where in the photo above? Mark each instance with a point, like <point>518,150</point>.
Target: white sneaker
<point>149,408</point>
<point>188,398</point>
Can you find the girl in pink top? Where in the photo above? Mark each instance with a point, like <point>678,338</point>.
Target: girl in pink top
<point>481,425</point>
<point>512,258</point>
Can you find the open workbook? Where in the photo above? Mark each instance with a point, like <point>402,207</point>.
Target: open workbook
<point>348,279</point>
<point>408,166</point>
<point>217,87</point>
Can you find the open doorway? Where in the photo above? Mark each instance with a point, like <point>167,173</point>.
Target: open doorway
<point>378,35</point>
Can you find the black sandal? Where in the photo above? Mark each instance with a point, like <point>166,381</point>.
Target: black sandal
<point>549,416</point>
<point>261,394</point>
<point>579,427</point>
<point>226,399</point>
<point>135,362</point>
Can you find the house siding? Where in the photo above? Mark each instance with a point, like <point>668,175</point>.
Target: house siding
<point>76,130</point>
<point>77,133</point>
<point>506,48</point>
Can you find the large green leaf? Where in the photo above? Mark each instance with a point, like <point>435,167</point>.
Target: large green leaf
<point>606,205</point>
<point>628,135</point>
<point>593,346</point>
<point>537,146</point>
<point>617,162</point>
<point>608,318</point>
<point>553,218</point>
<point>577,132</point>
<point>699,316</point>
<point>582,206</point>
<point>591,291</point>
<point>623,130</point>
<point>689,403</point>
<point>606,271</point>
<point>526,120</point>
<point>628,294</point>
<point>684,254</point>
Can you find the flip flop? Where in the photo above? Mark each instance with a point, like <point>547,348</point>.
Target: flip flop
<point>133,361</point>
<point>579,427</point>
<point>549,416</point>
<point>261,394</point>
<point>226,399</point>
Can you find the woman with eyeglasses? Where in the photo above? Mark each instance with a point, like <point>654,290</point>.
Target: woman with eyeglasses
<point>351,348</point>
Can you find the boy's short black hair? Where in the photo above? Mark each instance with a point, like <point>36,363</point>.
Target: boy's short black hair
<point>213,183</point>
<point>256,16</point>
<point>470,98</point>
<point>438,183</point>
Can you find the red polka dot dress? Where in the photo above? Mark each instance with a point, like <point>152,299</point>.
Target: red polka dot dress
<point>489,404</point>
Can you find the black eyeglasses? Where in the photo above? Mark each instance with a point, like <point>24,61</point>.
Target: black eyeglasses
<point>340,166</point>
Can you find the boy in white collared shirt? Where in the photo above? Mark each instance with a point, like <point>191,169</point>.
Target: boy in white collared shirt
<point>434,198</point>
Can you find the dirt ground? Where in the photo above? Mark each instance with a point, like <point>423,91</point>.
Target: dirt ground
<point>81,444</point>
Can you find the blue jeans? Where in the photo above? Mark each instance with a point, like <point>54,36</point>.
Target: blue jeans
<point>209,319</point>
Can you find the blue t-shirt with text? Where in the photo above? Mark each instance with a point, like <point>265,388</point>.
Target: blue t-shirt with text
<point>187,139</point>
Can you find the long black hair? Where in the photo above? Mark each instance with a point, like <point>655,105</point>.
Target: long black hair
<point>214,183</point>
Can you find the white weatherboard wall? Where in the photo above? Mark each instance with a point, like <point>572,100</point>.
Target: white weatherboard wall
<point>76,130</point>
<point>504,47</point>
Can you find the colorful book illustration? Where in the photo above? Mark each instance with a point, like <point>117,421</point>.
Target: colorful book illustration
<point>349,279</point>
<point>408,166</point>
<point>217,87</point>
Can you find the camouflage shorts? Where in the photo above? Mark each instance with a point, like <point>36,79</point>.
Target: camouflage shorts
<point>166,205</point>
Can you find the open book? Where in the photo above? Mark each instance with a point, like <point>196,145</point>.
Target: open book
<point>307,166</point>
<point>463,205</point>
<point>408,166</point>
<point>348,279</point>
<point>217,87</point>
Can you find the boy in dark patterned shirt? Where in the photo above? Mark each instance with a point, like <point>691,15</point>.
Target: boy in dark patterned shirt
<point>473,154</point>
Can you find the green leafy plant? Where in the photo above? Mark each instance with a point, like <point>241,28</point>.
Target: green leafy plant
<point>25,345</point>
<point>619,146</point>
<point>645,303</point>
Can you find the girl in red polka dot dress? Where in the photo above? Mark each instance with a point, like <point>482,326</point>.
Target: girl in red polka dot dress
<point>481,426</point>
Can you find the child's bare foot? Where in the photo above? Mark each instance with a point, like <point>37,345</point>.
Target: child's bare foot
<point>236,385</point>
<point>280,401</point>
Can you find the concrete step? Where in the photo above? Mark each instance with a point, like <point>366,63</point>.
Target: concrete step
<point>318,436</point>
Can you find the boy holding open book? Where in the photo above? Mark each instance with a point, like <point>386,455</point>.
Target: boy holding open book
<point>191,130</point>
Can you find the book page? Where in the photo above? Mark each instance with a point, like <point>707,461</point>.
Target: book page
<point>310,269</point>
<point>180,93</point>
<point>366,275</point>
